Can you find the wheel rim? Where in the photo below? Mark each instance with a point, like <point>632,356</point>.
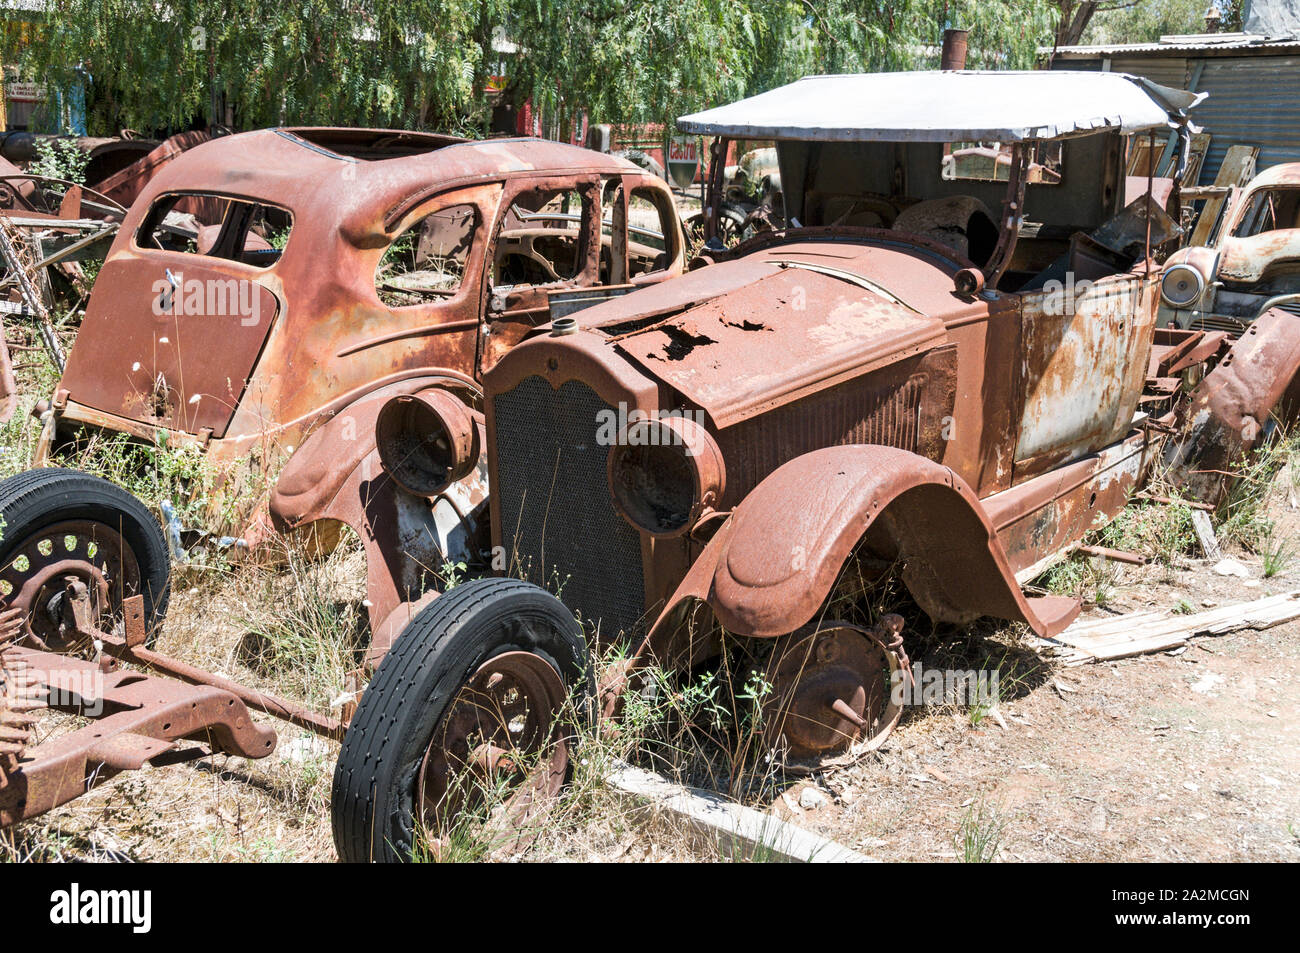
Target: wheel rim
<point>489,755</point>
<point>41,572</point>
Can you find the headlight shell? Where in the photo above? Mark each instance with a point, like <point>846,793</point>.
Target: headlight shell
<point>426,441</point>
<point>665,473</point>
<point>1182,286</point>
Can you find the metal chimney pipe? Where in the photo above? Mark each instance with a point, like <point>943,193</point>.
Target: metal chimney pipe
<point>954,49</point>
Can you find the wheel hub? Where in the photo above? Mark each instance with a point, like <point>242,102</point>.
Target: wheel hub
<point>832,688</point>
<point>498,750</point>
<point>69,578</point>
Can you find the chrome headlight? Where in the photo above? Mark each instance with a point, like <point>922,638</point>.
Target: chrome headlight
<point>1182,286</point>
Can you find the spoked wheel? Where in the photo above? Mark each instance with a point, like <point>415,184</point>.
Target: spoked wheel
<point>832,688</point>
<point>499,746</point>
<point>459,740</point>
<point>74,547</point>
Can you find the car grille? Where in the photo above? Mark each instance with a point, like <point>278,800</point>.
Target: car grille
<point>1216,322</point>
<point>558,522</point>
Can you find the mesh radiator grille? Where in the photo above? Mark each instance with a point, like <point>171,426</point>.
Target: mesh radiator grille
<point>557,517</point>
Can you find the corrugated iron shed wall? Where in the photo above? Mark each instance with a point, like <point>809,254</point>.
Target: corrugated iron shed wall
<point>1254,99</point>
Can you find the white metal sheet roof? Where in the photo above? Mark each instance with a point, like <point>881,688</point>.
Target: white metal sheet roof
<point>936,106</point>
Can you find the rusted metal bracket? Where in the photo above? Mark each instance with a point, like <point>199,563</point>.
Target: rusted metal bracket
<point>1013,211</point>
<point>136,719</point>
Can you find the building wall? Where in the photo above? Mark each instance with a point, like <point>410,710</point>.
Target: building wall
<point>1253,99</point>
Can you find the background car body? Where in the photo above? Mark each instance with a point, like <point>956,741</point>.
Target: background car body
<point>1252,263</point>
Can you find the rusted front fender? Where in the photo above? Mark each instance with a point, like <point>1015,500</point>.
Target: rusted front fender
<point>771,567</point>
<point>336,475</point>
<point>1227,413</point>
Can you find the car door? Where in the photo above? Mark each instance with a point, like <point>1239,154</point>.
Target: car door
<point>1084,353</point>
<point>178,318</point>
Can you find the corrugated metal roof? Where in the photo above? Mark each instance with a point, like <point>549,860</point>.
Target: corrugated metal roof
<point>938,106</point>
<point>1215,44</point>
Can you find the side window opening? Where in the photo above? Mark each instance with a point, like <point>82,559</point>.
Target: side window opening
<point>541,240</point>
<point>217,226</point>
<point>427,260</point>
<point>648,248</point>
<point>1269,211</point>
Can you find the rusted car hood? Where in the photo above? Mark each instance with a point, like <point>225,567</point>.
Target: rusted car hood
<point>1246,259</point>
<point>738,338</point>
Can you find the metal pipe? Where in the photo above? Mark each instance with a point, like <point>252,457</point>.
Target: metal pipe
<point>954,49</point>
<point>1276,300</point>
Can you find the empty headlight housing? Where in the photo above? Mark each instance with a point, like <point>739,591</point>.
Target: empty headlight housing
<point>426,441</point>
<point>1182,286</point>
<point>664,474</point>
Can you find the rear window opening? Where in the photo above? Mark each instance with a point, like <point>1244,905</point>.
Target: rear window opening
<point>990,161</point>
<point>372,144</point>
<point>217,226</point>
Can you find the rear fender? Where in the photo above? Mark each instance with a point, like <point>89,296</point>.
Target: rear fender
<point>772,565</point>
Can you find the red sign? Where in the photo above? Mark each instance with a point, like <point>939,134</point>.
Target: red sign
<point>683,154</point>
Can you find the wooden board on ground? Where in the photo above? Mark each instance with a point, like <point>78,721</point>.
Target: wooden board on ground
<point>739,832</point>
<point>1136,633</point>
<point>1205,535</point>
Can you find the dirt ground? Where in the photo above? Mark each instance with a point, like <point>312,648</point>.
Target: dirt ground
<point>1194,756</point>
<point>1186,755</point>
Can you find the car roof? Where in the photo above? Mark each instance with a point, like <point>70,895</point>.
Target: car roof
<point>1283,174</point>
<point>948,106</point>
<point>354,174</point>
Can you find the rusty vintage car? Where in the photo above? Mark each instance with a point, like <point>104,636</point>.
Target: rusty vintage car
<point>270,292</point>
<point>954,380</point>
<point>1251,266</point>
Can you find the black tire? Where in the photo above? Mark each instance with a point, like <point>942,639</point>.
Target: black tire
<point>373,800</point>
<point>36,499</point>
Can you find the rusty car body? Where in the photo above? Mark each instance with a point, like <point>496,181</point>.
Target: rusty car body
<point>901,341</point>
<point>268,293</point>
<point>901,383</point>
<point>1251,265</point>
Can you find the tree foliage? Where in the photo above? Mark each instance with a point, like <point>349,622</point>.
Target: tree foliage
<point>1145,21</point>
<point>160,64</point>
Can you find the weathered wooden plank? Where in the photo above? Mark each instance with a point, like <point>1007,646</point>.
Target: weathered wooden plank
<point>738,831</point>
<point>1141,632</point>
